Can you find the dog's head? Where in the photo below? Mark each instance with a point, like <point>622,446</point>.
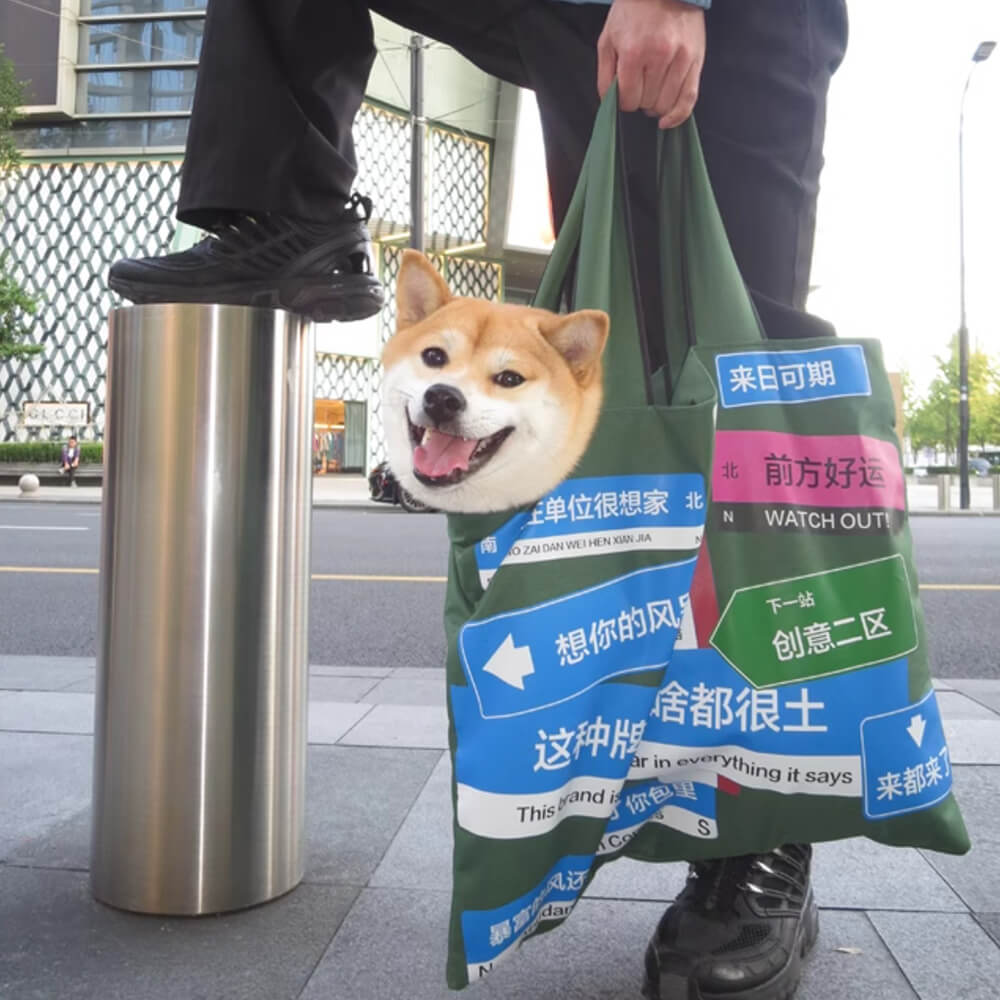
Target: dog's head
<point>486,406</point>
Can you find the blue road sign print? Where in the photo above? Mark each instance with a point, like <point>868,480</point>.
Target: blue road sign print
<point>489,933</point>
<point>905,760</point>
<point>596,515</point>
<point>750,378</point>
<point>522,661</point>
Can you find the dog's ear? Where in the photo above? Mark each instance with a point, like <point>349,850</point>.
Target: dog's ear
<point>420,290</point>
<point>580,338</point>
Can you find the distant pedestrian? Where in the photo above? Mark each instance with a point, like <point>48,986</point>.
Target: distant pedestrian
<point>71,460</point>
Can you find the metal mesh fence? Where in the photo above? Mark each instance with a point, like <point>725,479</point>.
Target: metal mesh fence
<point>66,222</point>
<point>63,226</point>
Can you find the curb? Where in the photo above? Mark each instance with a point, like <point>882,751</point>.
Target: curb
<point>377,507</point>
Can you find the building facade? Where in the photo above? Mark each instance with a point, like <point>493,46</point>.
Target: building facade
<point>110,89</point>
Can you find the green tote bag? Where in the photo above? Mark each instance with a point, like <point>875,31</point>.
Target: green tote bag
<point>600,703</point>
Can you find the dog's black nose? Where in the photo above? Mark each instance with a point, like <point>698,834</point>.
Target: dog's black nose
<point>443,403</point>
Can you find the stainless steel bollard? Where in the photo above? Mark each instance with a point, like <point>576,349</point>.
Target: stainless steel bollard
<point>200,733</point>
<point>944,492</point>
<point>996,491</point>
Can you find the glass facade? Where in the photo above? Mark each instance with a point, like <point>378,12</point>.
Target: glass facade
<point>115,91</point>
<point>105,8</point>
<point>110,42</point>
<point>137,63</point>
<point>105,133</point>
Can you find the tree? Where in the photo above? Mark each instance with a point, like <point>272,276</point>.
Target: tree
<point>932,420</point>
<point>15,304</point>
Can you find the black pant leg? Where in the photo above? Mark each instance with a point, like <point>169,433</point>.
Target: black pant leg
<point>762,115</point>
<point>280,83</point>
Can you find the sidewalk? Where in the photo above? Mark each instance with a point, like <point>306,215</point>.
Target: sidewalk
<point>352,492</point>
<point>369,921</point>
<point>328,491</point>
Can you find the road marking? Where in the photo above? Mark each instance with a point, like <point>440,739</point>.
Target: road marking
<point>348,577</point>
<point>388,578</point>
<point>379,579</point>
<point>80,570</point>
<point>42,527</point>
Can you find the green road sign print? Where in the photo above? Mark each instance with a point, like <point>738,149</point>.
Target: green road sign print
<point>824,623</point>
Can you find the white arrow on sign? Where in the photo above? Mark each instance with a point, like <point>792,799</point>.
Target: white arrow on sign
<point>511,664</point>
<point>916,729</point>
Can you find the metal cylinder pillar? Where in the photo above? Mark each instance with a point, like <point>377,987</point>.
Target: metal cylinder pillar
<point>200,730</point>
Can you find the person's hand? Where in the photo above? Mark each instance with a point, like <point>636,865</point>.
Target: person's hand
<point>656,49</point>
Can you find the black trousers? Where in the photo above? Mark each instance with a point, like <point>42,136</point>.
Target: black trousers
<point>280,82</point>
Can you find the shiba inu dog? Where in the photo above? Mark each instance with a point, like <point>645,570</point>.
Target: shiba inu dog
<point>486,406</point>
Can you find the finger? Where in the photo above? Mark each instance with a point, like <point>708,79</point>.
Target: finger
<point>685,99</point>
<point>654,76</point>
<point>607,64</point>
<point>629,81</point>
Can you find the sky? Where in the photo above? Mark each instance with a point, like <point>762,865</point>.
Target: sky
<point>886,259</point>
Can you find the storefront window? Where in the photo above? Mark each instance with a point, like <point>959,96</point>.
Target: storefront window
<point>340,435</point>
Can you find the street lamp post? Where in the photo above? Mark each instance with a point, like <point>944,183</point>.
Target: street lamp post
<point>981,54</point>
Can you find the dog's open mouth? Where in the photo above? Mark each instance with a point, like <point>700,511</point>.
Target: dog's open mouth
<point>441,459</point>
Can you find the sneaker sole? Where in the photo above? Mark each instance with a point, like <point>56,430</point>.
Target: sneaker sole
<point>781,986</point>
<point>357,297</point>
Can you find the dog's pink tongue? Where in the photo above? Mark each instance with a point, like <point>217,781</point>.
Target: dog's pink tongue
<point>441,453</point>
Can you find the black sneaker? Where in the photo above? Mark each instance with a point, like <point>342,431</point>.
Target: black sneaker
<point>320,270</point>
<point>738,931</point>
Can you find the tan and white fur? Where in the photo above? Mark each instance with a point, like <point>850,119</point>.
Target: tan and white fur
<point>486,406</point>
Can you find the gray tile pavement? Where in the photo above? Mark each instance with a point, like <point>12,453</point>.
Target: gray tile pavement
<point>369,920</point>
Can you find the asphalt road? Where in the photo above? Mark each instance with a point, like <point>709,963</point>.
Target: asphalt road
<point>376,622</point>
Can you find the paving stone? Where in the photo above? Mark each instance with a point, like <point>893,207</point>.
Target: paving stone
<point>862,875</point>
<point>975,876</point>
<point>89,686</point>
<point>958,706</point>
<point>64,844</point>
<point>420,674</point>
<point>628,879</point>
<point>986,692</point>
<point>943,685</point>
<point>420,854</point>
<point>44,780</point>
<point>356,800</point>
<point>43,673</point>
<point>990,922</point>
<point>408,691</point>
<point>869,972</point>
<point>421,726</point>
<point>347,689</point>
<point>943,957</point>
<point>329,720</point>
<point>973,741</point>
<point>56,941</point>
<point>563,963</point>
<point>46,712</point>
<point>325,671</point>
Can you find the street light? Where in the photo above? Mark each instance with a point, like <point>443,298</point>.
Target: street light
<point>981,54</point>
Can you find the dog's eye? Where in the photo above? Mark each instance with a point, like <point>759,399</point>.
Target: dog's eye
<point>434,357</point>
<point>508,379</point>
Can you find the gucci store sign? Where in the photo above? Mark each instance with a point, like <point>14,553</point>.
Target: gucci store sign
<point>52,414</point>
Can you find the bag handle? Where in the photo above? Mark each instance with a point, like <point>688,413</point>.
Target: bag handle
<point>704,298</point>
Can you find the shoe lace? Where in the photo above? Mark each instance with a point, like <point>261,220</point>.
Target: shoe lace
<point>270,237</point>
<point>779,876</point>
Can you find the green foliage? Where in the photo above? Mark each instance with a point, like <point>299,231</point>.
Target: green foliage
<point>16,306</point>
<point>20,452</point>
<point>932,419</point>
<point>11,98</point>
